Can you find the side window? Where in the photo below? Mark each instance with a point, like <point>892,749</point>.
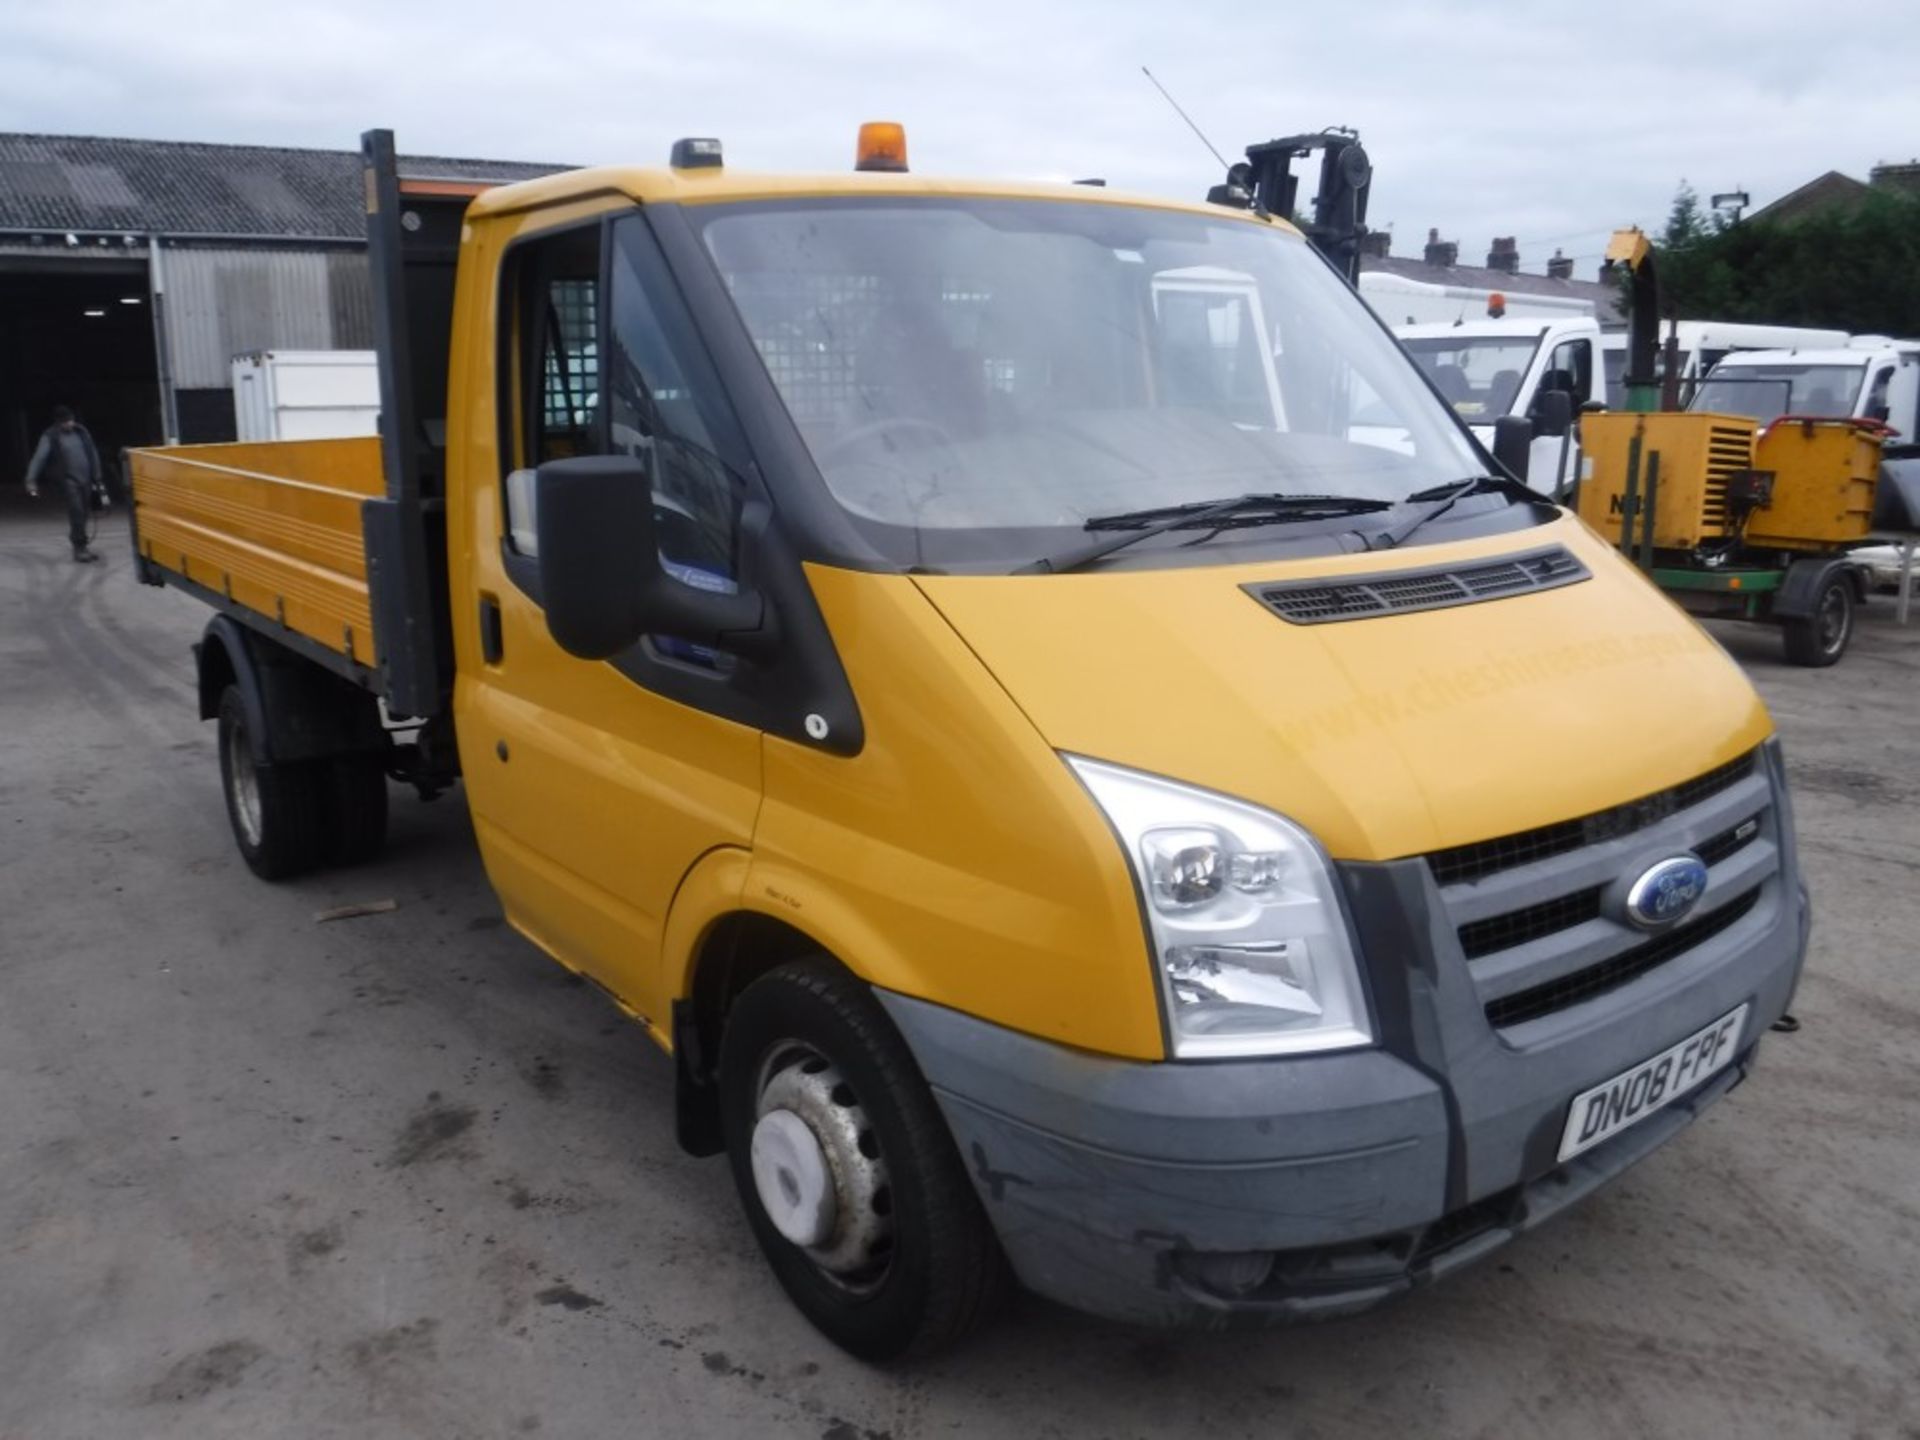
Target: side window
<point>550,329</point>
<point>1877,394</point>
<point>664,405</point>
<point>618,374</point>
<point>1572,364</point>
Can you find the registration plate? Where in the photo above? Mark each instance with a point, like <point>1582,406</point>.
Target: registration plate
<point>1632,1095</point>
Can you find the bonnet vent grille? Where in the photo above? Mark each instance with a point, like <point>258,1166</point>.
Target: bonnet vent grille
<point>1396,592</point>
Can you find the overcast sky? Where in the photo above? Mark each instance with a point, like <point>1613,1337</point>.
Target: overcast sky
<point>1552,124</point>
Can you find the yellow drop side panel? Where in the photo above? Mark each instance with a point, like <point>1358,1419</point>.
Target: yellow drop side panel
<point>273,525</point>
<point>1824,474</point>
<point>1697,453</point>
<point>955,858</point>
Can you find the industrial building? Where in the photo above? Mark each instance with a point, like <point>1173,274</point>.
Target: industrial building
<point>133,271</point>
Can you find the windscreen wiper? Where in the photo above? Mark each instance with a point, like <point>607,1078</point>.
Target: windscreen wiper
<point>1444,497</point>
<point>1235,512</point>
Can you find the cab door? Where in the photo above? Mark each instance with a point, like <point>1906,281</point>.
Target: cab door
<point>596,785</point>
<point>1553,460</point>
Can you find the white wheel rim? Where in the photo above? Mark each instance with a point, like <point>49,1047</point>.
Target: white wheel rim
<point>817,1167</point>
<point>790,1172</point>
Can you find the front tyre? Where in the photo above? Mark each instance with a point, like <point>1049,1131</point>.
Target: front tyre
<point>847,1171</point>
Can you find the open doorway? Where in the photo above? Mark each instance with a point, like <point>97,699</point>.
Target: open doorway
<point>76,333</point>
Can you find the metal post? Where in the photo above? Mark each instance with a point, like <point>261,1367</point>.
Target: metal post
<point>162,343</point>
<point>1906,580</point>
<point>1651,510</point>
<point>1630,497</point>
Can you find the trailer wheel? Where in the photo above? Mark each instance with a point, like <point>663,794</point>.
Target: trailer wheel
<point>356,804</point>
<point>1821,638</point>
<point>847,1171</point>
<point>276,811</point>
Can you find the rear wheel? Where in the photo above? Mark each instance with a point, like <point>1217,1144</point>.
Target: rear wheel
<point>1821,638</point>
<point>277,811</point>
<point>847,1171</point>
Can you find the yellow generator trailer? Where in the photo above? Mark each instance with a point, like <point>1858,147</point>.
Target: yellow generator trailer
<point>1737,519</point>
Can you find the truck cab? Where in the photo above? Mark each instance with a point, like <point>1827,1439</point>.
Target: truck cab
<point>1028,696</point>
<point>1872,378</point>
<point>1486,369</point>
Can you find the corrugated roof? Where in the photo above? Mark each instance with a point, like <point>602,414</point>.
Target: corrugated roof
<point>1604,298</point>
<point>84,183</point>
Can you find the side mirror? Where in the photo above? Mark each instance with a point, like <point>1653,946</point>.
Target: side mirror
<point>601,579</point>
<point>1552,413</point>
<point>1512,442</point>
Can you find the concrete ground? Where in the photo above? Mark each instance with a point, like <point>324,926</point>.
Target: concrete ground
<point>399,1176</point>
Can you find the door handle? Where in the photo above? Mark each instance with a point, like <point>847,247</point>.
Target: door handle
<point>492,642</point>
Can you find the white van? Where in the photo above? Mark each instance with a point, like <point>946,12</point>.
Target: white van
<point>1488,368</point>
<point>1703,344</point>
<point>1872,378</point>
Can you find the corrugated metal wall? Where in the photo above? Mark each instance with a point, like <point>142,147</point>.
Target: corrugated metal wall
<point>223,302</point>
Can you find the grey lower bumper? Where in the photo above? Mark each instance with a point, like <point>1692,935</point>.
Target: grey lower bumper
<point>1296,1188</point>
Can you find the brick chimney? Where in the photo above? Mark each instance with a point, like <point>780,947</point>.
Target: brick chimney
<point>1443,253</point>
<point>1559,267</point>
<point>1505,255</point>
<point>1376,243</point>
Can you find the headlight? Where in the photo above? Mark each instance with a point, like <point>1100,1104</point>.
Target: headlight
<point>1249,942</point>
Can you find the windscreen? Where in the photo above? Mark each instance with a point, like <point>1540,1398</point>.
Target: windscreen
<point>1478,375</point>
<point>976,378</point>
<point>1766,392</point>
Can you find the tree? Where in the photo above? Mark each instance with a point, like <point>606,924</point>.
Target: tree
<point>1686,225</point>
<point>1854,268</point>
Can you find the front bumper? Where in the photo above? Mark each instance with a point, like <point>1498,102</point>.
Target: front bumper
<point>1307,1187</point>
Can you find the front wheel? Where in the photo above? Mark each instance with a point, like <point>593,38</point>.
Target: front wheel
<point>847,1171</point>
<point>1821,638</point>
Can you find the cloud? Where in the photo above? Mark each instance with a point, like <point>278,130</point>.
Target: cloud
<point>1482,118</point>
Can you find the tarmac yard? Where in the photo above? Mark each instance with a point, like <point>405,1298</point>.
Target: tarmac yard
<point>400,1175</point>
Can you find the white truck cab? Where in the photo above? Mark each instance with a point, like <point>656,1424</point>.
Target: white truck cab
<point>1870,378</point>
<point>1704,344</point>
<point>1489,368</point>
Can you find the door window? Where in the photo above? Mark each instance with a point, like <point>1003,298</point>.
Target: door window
<point>620,373</point>
<point>658,409</point>
<point>1570,368</point>
<point>551,329</point>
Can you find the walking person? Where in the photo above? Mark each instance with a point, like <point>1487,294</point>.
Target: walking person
<point>67,452</point>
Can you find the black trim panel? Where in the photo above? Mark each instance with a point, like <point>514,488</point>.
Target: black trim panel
<point>1322,601</point>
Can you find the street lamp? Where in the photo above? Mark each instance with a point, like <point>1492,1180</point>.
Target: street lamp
<point>1733,202</point>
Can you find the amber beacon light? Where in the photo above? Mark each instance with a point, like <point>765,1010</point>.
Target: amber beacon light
<point>882,146</point>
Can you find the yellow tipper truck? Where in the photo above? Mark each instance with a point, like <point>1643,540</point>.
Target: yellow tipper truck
<point>1090,770</point>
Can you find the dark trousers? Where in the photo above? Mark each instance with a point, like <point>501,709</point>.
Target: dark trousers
<point>79,503</point>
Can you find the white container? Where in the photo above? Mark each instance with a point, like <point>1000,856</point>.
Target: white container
<point>305,394</point>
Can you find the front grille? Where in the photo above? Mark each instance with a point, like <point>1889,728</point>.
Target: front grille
<point>1563,912</point>
<point>1315,602</point>
<point>1517,927</point>
<point>1466,863</point>
<point>1720,846</point>
<point>1630,965</point>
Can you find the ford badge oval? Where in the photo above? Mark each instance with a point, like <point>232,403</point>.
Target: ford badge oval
<point>1665,892</point>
